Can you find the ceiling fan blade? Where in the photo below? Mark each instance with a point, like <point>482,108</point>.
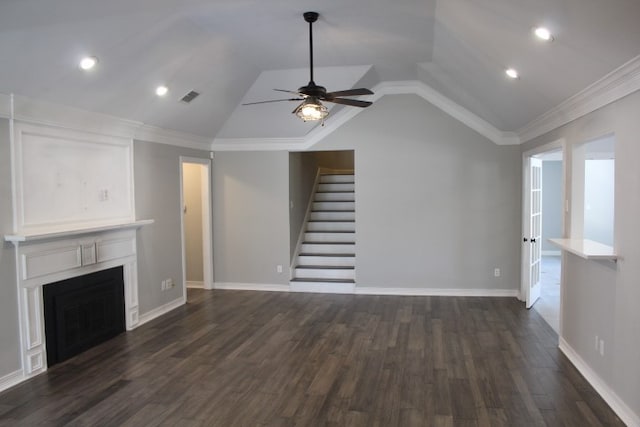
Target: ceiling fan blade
<point>274,100</point>
<point>349,92</point>
<point>289,91</point>
<point>351,102</point>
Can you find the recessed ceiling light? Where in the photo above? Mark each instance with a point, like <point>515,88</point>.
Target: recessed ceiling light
<point>88,62</point>
<point>162,90</point>
<point>543,34</point>
<point>512,73</point>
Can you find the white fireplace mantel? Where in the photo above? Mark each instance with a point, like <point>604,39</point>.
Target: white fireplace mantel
<point>47,256</point>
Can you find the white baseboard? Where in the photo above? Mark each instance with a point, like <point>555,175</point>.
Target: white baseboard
<point>163,309</point>
<point>361,290</point>
<point>194,284</point>
<point>625,413</point>
<point>9,380</point>
<point>551,253</point>
<point>329,288</point>
<point>251,287</point>
<point>323,287</point>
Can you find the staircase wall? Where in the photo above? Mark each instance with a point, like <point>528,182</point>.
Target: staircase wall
<point>303,169</point>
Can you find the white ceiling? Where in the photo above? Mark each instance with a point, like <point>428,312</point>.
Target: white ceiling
<point>235,51</point>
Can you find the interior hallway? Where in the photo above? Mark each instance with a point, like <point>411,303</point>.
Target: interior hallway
<point>549,303</point>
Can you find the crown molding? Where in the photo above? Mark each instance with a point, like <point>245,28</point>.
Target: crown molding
<point>412,87</point>
<point>619,83</point>
<point>258,144</point>
<point>170,137</point>
<point>27,110</point>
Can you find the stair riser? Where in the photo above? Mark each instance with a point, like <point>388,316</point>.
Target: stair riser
<point>337,187</point>
<point>325,179</point>
<point>312,273</point>
<point>333,216</point>
<point>329,237</point>
<point>319,249</point>
<point>327,261</point>
<point>334,197</point>
<point>334,206</point>
<point>331,226</point>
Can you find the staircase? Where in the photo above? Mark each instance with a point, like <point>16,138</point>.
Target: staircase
<point>325,261</point>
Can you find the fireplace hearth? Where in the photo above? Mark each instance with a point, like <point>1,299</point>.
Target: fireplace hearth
<point>82,312</point>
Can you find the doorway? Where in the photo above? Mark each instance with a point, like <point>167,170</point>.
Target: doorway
<point>196,219</point>
<point>543,218</point>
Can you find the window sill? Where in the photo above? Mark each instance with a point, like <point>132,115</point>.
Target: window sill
<point>587,249</point>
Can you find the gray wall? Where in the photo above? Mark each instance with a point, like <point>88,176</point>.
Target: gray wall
<point>551,202</point>
<point>251,217</point>
<point>9,324</point>
<point>157,190</point>
<point>303,169</point>
<point>601,298</point>
<point>437,205</point>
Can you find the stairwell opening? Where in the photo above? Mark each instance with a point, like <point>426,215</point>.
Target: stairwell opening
<point>322,194</point>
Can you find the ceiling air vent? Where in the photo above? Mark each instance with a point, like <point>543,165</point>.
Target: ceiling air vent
<point>190,97</point>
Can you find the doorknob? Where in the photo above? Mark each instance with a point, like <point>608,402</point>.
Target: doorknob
<point>533,240</point>
<point>525,240</point>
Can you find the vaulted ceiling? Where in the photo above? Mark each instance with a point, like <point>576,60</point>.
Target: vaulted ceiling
<point>235,51</point>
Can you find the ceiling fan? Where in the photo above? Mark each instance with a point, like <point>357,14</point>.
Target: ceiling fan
<point>311,95</point>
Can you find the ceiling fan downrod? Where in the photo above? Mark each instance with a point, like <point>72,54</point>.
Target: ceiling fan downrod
<point>311,17</point>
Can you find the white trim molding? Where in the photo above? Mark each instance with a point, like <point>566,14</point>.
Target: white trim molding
<point>496,293</point>
<point>318,133</point>
<point>11,379</point>
<point>258,144</point>
<point>615,85</point>
<point>625,413</point>
<point>195,284</point>
<point>160,311</point>
<point>251,287</point>
<point>323,287</point>
<point>27,110</point>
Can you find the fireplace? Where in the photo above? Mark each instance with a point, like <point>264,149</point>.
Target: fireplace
<point>82,312</point>
<point>74,256</point>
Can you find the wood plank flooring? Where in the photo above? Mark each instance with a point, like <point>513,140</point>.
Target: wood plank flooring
<point>231,358</point>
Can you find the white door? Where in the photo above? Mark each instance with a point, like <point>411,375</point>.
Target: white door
<point>532,240</point>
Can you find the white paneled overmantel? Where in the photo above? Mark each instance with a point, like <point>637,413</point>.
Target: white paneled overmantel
<point>46,258</point>
<point>67,179</point>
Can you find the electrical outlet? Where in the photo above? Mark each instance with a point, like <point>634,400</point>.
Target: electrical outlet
<point>601,347</point>
<point>496,272</point>
<point>163,285</point>
<point>279,268</point>
<point>169,284</point>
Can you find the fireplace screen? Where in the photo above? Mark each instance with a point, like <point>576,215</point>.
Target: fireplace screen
<point>82,312</point>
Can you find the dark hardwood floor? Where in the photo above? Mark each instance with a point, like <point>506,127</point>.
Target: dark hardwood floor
<point>232,358</point>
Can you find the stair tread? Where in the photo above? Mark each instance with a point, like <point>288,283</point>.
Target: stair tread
<point>329,255</point>
<point>343,211</point>
<point>328,243</point>
<point>332,220</point>
<point>326,267</point>
<point>323,280</point>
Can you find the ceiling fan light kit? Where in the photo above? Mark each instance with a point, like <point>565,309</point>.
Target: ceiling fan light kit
<point>312,95</point>
<point>311,110</point>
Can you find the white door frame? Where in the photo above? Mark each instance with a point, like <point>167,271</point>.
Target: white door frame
<point>207,218</point>
<point>525,274</point>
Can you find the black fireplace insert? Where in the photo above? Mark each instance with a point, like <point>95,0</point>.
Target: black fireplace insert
<point>83,312</point>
